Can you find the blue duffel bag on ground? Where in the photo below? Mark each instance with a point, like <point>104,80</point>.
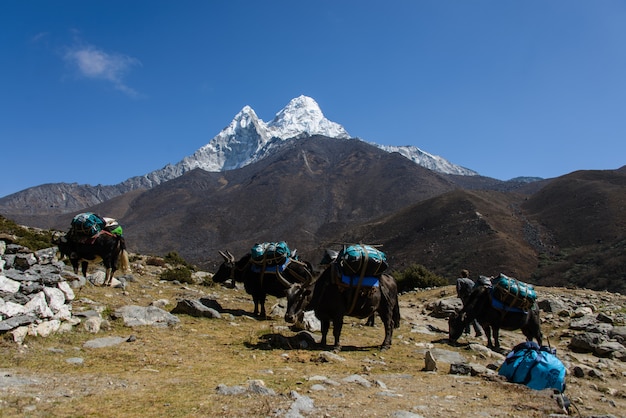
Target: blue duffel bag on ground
<point>534,366</point>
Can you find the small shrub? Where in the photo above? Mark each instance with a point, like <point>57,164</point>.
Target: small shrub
<point>155,261</point>
<point>32,238</point>
<point>182,274</point>
<point>208,282</point>
<point>175,259</point>
<point>417,276</point>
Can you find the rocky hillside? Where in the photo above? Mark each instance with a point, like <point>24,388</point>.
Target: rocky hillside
<point>134,350</point>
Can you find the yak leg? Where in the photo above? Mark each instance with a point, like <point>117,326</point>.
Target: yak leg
<point>337,325</point>
<point>496,338</point>
<point>108,276</point>
<point>388,333</point>
<point>256,306</point>
<point>83,266</point>
<point>385,310</point>
<point>487,329</point>
<point>386,316</point>
<point>262,303</point>
<point>325,327</point>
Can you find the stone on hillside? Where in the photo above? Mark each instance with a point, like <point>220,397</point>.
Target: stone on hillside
<point>133,315</point>
<point>92,324</point>
<point>195,308</point>
<point>222,389</point>
<point>609,349</point>
<point>600,328</point>
<point>460,368</point>
<point>38,306</point>
<point>300,403</point>
<point>161,303</point>
<point>19,334</point>
<point>258,387</point>
<point>46,255</point>
<point>45,328</point>
<point>602,317</point>
<point>478,369</point>
<point>582,323</point>
<point>430,363</point>
<point>29,288</point>
<point>444,356</point>
<point>585,342</point>
<point>485,351</point>
<point>329,357</point>
<point>76,281</point>
<point>9,309</point>
<point>24,261</point>
<point>355,378</point>
<point>16,321</point>
<point>55,298</point>
<point>582,311</point>
<point>555,306</point>
<point>619,333</point>
<point>104,342</point>
<point>279,309</point>
<point>8,260</point>
<point>67,291</point>
<point>8,285</point>
<point>64,313</point>
<point>406,414</point>
<point>97,277</point>
<point>211,303</point>
<point>443,308</point>
<point>310,322</point>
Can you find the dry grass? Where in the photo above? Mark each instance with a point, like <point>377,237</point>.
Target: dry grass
<point>174,372</point>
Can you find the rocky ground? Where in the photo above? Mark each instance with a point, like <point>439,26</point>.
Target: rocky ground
<point>236,365</point>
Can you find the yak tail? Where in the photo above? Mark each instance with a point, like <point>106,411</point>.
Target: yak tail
<point>124,262</point>
<point>396,315</point>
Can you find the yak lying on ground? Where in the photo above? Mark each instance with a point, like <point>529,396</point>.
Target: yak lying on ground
<point>261,283</point>
<point>104,246</point>
<point>331,300</point>
<point>479,306</point>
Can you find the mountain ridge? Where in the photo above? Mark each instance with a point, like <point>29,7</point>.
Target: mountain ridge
<point>245,140</point>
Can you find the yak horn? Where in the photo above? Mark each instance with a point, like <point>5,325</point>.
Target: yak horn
<point>226,258</point>
<point>282,280</point>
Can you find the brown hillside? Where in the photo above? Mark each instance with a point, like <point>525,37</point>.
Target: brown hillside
<point>584,207</point>
<point>585,215</point>
<point>305,194</point>
<point>477,230</point>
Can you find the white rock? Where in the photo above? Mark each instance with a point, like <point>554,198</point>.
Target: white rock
<point>8,285</point>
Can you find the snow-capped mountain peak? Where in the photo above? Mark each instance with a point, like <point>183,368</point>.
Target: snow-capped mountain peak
<point>248,139</point>
<point>303,117</point>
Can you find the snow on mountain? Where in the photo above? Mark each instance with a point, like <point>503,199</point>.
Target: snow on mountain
<point>248,139</point>
<point>430,161</point>
<point>303,117</point>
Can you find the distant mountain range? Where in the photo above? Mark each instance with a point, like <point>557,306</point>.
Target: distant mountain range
<point>245,140</point>
<point>301,178</point>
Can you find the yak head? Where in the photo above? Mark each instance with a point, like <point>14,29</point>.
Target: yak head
<point>226,270</point>
<point>298,299</point>
<point>455,326</point>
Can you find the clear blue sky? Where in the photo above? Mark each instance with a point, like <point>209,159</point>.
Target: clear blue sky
<point>95,92</point>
